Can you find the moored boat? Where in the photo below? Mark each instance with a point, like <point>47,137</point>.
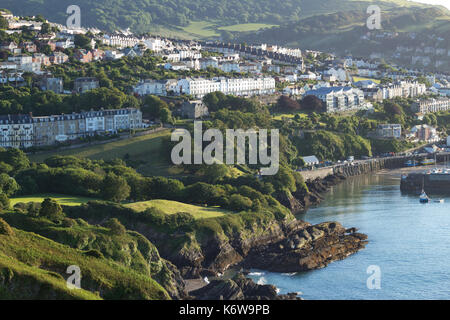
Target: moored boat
<point>424,198</point>
<point>427,162</point>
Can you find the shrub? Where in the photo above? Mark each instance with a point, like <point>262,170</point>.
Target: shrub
<point>68,223</point>
<point>94,253</point>
<point>5,229</point>
<point>51,209</point>
<point>240,203</point>
<point>115,226</point>
<point>4,202</point>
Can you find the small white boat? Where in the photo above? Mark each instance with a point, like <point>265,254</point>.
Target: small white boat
<point>439,200</point>
<point>424,198</point>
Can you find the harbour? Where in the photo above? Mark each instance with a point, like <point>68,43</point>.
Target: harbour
<point>408,242</point>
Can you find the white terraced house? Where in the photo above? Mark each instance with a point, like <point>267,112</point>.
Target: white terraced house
<point>16,131</point>
<point>431,105</point>
<point>236,86</point>
<point>24,131</point>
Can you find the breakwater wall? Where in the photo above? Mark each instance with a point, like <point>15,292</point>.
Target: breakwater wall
<point>431,183</point>
<point>368,166</point>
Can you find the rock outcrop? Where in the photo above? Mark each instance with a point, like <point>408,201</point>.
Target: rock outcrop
<point>239,288</point>
<point>311,247</point>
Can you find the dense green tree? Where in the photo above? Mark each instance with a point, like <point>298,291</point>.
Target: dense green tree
<point>8,185</point>
<point>82,41</point>
<point>153,105</point>
<point>115,188</point>
<point>287,104</point>
<point>51,209</point>
<point>312,104</point>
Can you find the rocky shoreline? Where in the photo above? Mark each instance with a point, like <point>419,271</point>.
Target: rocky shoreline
<point>301,201</point>
<point>301,247</point>
<point>304,247</point>
<point>309,248</point>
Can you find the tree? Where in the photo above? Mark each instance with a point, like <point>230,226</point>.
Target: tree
<point>8,185</point>
<point>82,41</point>
<point>3,23</point>
<point>313,104</point>
<point>46,28</point>
<point>285,103</point>
<point>166,115</point>
<point>115,226</point>
<point>51,209</point>
<point>153,106</point>
<point>115,188</point>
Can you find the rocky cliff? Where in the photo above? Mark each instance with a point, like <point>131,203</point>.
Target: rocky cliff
<point>310,247</point>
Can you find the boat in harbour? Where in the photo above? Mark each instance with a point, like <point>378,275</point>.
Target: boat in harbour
<point>424,198</point>
<point>411,163</point>
<point>426,162</point>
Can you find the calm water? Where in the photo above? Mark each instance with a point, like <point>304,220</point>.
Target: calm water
<point>410,242</point>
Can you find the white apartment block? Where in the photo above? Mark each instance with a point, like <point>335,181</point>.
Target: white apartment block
<point>339,99</point>
<point>235,86</point>
<point>16,131</point>
<point>431,105</point>
<point>25,63</point>
<point>155,87</point>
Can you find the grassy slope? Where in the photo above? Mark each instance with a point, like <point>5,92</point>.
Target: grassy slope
<point>172,207</point>
<point>39,264</point>
<point>143,150</point>
<point>65,200</point>
<point>247,27</point>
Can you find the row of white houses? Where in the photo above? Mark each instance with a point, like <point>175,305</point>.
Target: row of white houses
<point>199,87</point>
<point>24,131</point>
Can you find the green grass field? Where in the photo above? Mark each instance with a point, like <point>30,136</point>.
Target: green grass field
<point>62,199</point>
<point>144,152</point>
<point>172,207</point>
<point>209,29</point>
<point>247,27</point>
<point>356,79</point>
<point>280,116</point>
<point>202,29</point>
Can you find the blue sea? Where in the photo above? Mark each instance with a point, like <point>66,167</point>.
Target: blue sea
<point>409,245</point>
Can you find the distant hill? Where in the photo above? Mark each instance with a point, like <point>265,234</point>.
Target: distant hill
<point>333,30</point>
<point>414,36</point>
<point>152,15</point>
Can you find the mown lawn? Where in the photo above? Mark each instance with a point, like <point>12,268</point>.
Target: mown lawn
<point>172,207</point>
<point>144,152</point>
<point>64,200</point>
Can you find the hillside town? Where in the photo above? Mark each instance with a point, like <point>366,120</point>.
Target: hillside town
<point>342,84</point>
<point>203,150</point>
